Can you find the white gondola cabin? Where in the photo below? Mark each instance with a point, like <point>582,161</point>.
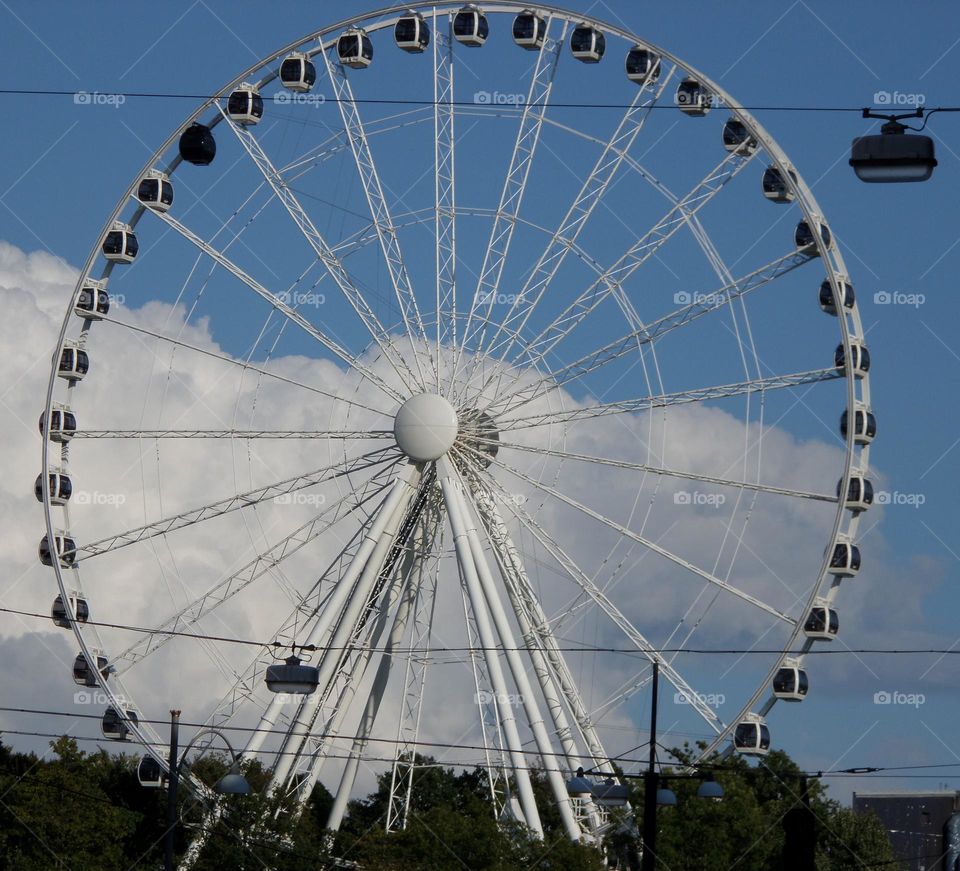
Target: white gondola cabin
<point>775,187</point>
<point>120,244</point>
<point>156,191</point>
<point>529,30</point>
<point>61,487</point>
<point>197,145</point>
<point>844,559</point>
<point>355,49</point>
<point>245,105</point>
<point>822,623</point>
<point>78,606</point>
<point>93,301</point>
<point>864,426</point>
<point>859,492</point>
<point>642,65</point>
<point>736,137</point>
<point>297,73</point>
<point>692,98</point>
<point>63,423</point>
<point>790,683</point>
<point>827,302</point>
<point>470,26</point>
<point>412,33</point>
<point>151,773</point>
<point>752,736</point>
<point>114,724</point>
<point>74,362</point>
<point>85,673</point>
<point>587,43</point>
<point>859,355</point>
<point>804,239</point>
<point>65,547</point>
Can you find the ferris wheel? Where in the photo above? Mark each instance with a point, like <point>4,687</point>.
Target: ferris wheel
<point>471,359</point>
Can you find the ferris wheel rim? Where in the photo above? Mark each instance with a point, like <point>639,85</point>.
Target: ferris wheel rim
<point>830,256</point>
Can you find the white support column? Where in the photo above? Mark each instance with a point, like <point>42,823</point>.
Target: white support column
<point>456,509</point>
<point>347,602</point>
<point>375,698</point>
<point>557,782</point>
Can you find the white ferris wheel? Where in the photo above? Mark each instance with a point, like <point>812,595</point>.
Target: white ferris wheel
<point>473,362</point>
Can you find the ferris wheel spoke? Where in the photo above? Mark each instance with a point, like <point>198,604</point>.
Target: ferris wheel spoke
<point>514,187</point>
<point>305,611</point>
<point>639,252</point>
<point>660,470</point>
<point>591,591</point>
<point>279,489</point>
<point>329,434</point>
<point>549,663</point>
<point>700,304</point>
<point>226,358</point>
<point>347,610</point>
<point>281,306</point>
<point>379,210</point>
<point>589,195</point>
<point>647,543</point>
<point>226,588</point>
<point>319,245</point>
<point>445,190</point>
<point>665,400</point>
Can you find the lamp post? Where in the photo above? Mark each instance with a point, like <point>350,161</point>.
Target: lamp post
<point>651,784</point>
<point>232,783</point>
<point>653,794</point>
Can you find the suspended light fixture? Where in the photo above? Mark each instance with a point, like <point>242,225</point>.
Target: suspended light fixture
<point>893,155</point>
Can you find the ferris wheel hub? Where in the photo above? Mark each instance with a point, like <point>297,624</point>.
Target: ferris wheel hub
<point>425,427</point>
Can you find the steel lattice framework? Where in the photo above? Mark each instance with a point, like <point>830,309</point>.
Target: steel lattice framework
<point>363,544</point>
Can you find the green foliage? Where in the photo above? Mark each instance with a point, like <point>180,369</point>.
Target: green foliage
<point>88,812</point>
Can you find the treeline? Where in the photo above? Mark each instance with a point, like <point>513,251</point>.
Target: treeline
<point>88,811</point>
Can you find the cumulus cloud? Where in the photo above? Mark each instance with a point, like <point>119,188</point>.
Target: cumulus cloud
<point>765,544</point>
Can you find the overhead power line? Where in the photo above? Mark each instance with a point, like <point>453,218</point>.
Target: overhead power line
<point>160,95</point>
<point>632,651</point>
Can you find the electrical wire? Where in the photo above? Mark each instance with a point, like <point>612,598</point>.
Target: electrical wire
<point>620,761</point>
<point>29,92</point>
<point>633,651</point>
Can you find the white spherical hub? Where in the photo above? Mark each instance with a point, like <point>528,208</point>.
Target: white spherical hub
<point>425,427</point>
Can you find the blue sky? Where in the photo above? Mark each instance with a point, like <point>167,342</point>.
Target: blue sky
<point>66,165</point>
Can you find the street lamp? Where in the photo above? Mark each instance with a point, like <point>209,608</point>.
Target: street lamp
<point>656,793</point>
<point>893,156</point>
<point>232,783</point>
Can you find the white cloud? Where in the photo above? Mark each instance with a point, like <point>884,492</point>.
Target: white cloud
<point>770,545</point>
